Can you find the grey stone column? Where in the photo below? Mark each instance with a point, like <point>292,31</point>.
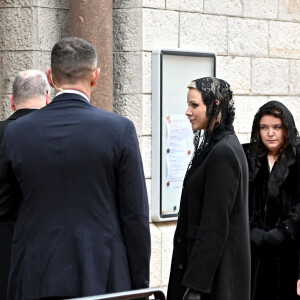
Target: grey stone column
<point>92,20</point>
<point>1,98</point>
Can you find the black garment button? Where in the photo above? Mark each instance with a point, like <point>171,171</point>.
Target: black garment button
<point>146,284</point>
<point>179,240</point>
<point>180,266</point>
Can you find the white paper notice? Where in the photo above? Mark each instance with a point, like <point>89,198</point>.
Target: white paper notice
<point>178,147</point>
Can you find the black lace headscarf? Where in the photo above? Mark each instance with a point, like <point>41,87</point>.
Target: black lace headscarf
<point>286,153</point>
<point>212,89</point>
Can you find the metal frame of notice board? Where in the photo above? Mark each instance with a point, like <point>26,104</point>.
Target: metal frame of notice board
<point>172,136</point>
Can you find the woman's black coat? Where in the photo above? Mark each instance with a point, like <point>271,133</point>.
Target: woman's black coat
<point>211,243</point>
<point>274,237</point>
<point>274,217</point>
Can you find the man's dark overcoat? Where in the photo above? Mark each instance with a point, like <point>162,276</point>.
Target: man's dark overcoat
<point>7,228</point>
<point>82,226</point>
<point>211,243</point>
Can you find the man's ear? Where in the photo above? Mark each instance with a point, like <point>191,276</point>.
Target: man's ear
<point>12,105</point>
<point>95,77</point>
<point>49,77</point>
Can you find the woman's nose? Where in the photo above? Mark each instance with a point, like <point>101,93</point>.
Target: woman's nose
<point>270,132</point>
<point>188,112</point>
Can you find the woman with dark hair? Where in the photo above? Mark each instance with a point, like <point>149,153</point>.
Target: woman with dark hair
<point>273,158</point>
<point>211,257</point>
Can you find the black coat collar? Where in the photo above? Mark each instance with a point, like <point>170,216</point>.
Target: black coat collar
<point>216,135</point>
<point>219,133</point>
<point>20,113</point>
<point>69,96</point>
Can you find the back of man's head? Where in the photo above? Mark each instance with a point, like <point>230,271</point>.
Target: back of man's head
<point>30,87</point>
<point>72,59</point>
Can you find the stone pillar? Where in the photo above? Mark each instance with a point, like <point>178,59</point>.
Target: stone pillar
<point>1,97</point>
<point>93,21</point>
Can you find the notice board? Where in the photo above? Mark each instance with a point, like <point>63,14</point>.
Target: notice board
<point>172,135</point>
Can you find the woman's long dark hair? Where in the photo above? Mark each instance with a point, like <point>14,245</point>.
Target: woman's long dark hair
<point>278,110</point>
<point>257,149</point>
<point>262,150</point>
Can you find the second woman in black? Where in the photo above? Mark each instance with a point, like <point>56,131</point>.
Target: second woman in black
<point>273,158</point>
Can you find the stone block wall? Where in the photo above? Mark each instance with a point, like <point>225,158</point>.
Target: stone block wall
<point>257,45</point>
<point>258,52</point>
<point>28,31</point>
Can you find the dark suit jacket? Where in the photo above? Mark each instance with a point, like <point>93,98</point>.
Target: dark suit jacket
<point>6,229</point>
<point>211,243</point>
<point>83,225</point>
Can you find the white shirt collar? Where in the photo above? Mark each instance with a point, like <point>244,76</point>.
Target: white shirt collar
<point>73,92</point>
<point>31,108</point>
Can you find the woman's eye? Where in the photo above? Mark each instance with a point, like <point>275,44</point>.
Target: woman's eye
<point>277,127</point>
<point>194,105</point>
<point>263,127</point>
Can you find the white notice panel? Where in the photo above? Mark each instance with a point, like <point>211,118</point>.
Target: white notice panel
<point>172,136</point>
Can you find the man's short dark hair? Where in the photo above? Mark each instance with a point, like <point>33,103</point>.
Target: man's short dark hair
<point>72,59</point>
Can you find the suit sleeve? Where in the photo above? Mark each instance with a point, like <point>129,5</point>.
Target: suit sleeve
<point>134,210</point>
<point>222,181</point>
<point>9,190</point>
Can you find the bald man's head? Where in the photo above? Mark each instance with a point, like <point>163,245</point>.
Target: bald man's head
<point>30,88</point>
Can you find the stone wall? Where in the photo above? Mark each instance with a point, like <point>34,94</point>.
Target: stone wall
<point>28,31</point>
<point>257,44</point>
<point>258,52</point>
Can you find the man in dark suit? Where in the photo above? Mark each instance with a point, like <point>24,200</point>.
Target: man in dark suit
<point>82,226</point>
<point>30,92</point>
